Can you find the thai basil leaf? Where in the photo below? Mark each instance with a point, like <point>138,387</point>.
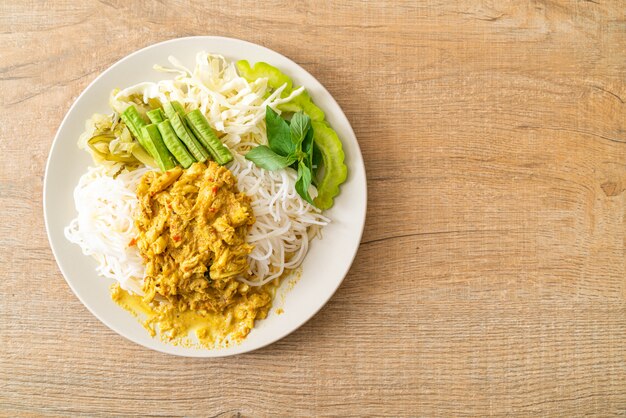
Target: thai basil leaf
<point>265,158</point>
<point>304,181</point>
<point>307,143</point>
<point>278,133</point>
<point>300,127</point>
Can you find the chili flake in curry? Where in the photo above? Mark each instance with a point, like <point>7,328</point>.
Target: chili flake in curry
<point>192,228</point>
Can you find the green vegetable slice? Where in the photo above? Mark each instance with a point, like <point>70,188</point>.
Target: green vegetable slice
<point>133,120</point>
<point>203,131</point>
<point>335,171</point>
<point>178,108</point>
<point>170,110</point>
<point>99,144</point>
<point>275,79</point>
<point>195,148</point>
<point>162,156</point>
<point>174,144</point>
<point>135,124</point>
<point>303,103</point>
<point>156,115</point>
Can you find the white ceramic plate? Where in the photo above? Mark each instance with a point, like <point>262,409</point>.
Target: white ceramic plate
<point>328,260</point>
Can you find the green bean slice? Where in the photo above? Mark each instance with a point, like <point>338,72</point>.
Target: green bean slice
<point>156,115</point>
<point>195,148</point>
<point>200,127</point>
<point>135,123</point>
<point>178,108</point>
<point>173,143</point>
<point>193,145</point>
<point>162,156</point>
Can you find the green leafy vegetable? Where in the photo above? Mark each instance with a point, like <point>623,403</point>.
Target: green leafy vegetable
<point>307,144</point>
<point>264,157</point>
<point>278,133</point>
<point>304,181</point>
<point>288,144</point>
<point>309,148</point>
<point>300,126</point>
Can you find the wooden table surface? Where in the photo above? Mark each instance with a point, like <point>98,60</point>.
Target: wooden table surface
<point>491,275</point>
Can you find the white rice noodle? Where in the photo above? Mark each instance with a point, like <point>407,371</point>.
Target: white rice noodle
<point>284,220</point>
<point>104,226</point>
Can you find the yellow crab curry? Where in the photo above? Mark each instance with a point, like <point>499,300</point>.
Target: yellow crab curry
<point>192,236</point>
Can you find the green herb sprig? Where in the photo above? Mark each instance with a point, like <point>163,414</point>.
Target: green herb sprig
<point>290,144</point>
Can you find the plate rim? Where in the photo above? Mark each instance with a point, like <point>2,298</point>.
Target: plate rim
<point>200,353</point>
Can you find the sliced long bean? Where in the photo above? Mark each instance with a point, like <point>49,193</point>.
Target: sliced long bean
<point>195,148</point>
<point>193,145</point>
<point>162,156</point>
<point>203,131</point>
<point>135,123</point>
<point>178,108</point>
<point>156,115</point>
<point>133,120</point>
<point>174,144</point>
<point>169,110</point>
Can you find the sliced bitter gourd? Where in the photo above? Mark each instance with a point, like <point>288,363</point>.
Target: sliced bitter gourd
<point>335,171</point>
<point>326,140</point>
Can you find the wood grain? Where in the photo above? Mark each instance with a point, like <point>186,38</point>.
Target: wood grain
<point>491,276</point>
